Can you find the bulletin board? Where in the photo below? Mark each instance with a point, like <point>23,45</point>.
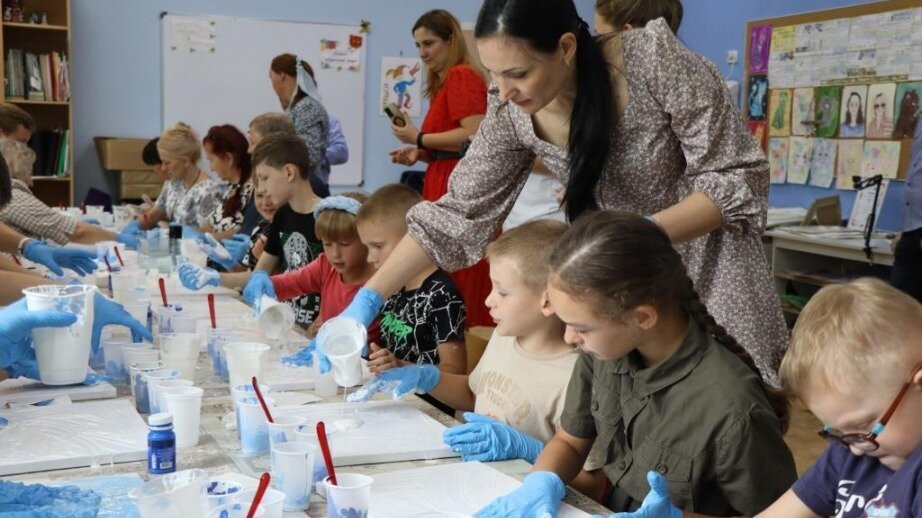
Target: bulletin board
<point>216,71</point>
<point>834,94</point>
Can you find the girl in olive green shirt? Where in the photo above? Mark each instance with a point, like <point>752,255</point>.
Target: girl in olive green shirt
<point>659,384</point>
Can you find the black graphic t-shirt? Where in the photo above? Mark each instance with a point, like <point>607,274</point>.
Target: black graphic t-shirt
<point>291,238</point>
<point>415,322</point>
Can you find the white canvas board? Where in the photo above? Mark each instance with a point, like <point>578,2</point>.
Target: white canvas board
<point>285,377</point>
<point>25,390</point>
<point>447,490</point>
<point>71,436</point>
<point>387,431</point>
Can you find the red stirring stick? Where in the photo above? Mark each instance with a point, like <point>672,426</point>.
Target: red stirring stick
<point>214,322</point>
<point>162,291</point>
<point>16,260</point>
<point>118,256</point>
<point>262,402</point>
<point>260,491</point>
<point>325,449</point>
<point>106,259</point>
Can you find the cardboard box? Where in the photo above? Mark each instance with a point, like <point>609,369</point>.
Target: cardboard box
<point>121,154</point>
<point>136,183</point>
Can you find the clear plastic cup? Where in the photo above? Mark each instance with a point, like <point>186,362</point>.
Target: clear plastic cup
<point>236,510</point>
<point>244,360</point>
<point>153,378</point>
<point>62,353</point>
<point>307,432</point>
<point>175,494</point>
<point>350,497</point>
<point>186,323</point>
<point>164,386</point>
<point>221,491</point>
<point>114,358</point>
<point>251,423</point>
<point>164,316</point>
<point>186,406</point>
<point>127,279</point>
<point>342,340</point>
<point>275,318</point>
<point>180,351</point>
<point>292,464</point>
<point>216,339</point>
<point>138,352</point>
<point>271,502</point>
<point>139,384</point>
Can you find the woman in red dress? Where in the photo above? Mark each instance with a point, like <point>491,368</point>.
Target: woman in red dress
<point>457,103</point>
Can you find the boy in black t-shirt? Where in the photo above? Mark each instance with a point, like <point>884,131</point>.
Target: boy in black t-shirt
<point>424,321</point>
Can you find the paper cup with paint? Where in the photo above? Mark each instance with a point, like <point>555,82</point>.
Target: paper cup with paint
<point>176,494</point>
<point>186,406</point>
<point>114,358</point>
<point>221,491</point>
<point>236,510</point>
<point>272,501</point>
<point>62,353</point>
<point>180,351</point>
<point>244,360</point>
<point>342,340</point>
<point>153,378</point>
<point>292,464</point>
<point>275,318</point>
<point>350,497</point>
<point>251,423</point>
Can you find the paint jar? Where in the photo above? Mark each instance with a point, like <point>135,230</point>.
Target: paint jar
<point>236,510</point>
<point>351,496</point>
<point>342,340</point>
<point>271,502</point>
<point>114,359</point>
<point>220,492</point>
<point>139,384</point>
<point>175,494</point>
<point>62,353</point>
<point>292,465</point>
<point>180,351</point>
<point>251,424</point>
<point>186,406</point>
<point>153,378</point>
<point>275,318</point>
<point>161,445</point>
<point>244,360</point>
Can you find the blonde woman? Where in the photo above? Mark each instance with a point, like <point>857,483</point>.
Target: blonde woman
<point>189,196</point>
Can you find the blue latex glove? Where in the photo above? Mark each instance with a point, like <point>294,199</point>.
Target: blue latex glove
<point>238,246</point>
<point>55,258</point>
<point>539,496</point>
<point>656,504</point>
<point>133,227</point>
<point>410,378</point>
<point>90,220</point>
<point>216,252</point>
<point>195,277</point>
<point>128,238</point>
<point>486,439</point>
<point>259,284</point>
<point>38,501</point>
<point>303,357</point>
<point>190,232</point>
<point>364,307</point>
<point>16,323</point>
<point>107,312</point>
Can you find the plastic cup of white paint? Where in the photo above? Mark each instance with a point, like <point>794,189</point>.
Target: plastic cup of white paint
<point>175,494</point>
<point>292,464</point>
<point>185,404</point>
<point>342,340</point>
<point>180,351</point>
<point>275,318</point>
<point>244,360</point>
<point>62,353</point>
<point>251,423</point>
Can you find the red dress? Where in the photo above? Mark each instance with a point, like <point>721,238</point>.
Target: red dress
<point>463,94</point>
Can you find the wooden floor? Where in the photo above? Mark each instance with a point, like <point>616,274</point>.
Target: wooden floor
<point>802,438</point>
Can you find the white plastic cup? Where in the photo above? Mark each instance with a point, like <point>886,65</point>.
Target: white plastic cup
<point>153,378</point>
<point>282,429</point>
<point>271,502</point>
<point>138,352</point>
<point>114,358</point>
<point>221,491</point>
<point>186,406</point>
<point>185,323</point>
<point>215,340</point>
<point>62,353</point>
<point>164,315</point>
<point>307,432</point>
<point>275,318</point>
<point>292,465</point>
<point>127,279</point>
<point>139,384</point>
<point>180,351</point>
<point>163,386</point>
<point>244,360</point>
<point>175,494</point>
<point>350,497</point>
<point>254,432</point>
<point>342,340</point>
<point>236,510</point>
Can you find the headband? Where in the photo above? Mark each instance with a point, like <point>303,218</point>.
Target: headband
<point>343,203</point>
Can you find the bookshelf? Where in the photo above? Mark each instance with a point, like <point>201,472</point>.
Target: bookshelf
<point>48,114</point>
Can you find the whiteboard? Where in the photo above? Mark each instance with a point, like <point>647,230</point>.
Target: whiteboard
<point>216,71</point>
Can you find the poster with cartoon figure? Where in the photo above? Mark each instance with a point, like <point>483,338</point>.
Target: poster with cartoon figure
<point>879,112</point>
<point>778,159</point>
<point>802,112</point>
<point>779,112</point>
<point>907,109</point>
<point>401,84</point>
<point>799,159</point>
<point>880,157</point>
<point>852,116</point>
<point>758,98</point>
<point>823,162</point>
<point>848,163</point>
<point>827,111</point>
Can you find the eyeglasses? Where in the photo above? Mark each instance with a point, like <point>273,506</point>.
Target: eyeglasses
<point>867,441</point>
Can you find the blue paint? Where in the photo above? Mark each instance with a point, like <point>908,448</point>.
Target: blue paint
<point>116,371</point>
<point>161,445</point>
<point>141,400</point>
<point>251,424</point>
<point>349,512</point>
<point>114,491</point>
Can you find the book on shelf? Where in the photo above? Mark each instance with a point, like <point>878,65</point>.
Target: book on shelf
<point>36,77</point>
<point>52,152</point>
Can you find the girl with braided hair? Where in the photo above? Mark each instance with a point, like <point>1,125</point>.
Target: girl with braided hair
<point>664,390</point>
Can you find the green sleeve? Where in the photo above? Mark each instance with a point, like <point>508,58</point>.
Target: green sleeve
<point>576,418</point>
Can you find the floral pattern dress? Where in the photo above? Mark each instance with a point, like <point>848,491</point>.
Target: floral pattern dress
<point>191,206</point>
<point>218,221</point>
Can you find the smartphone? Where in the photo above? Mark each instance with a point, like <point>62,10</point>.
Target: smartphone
<point>393,111</point>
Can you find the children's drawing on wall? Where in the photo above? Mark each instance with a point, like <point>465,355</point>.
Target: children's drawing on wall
<point>852,117</point>
<point>827,111</point>
<point>335,55</point>
<point>848,162</point>
<point>880,110</point>
<point>759,46</point>
<point>758,97</point>
<point>760,132</point>
<point>880,157</point>
<point>401,80</point>
<point>799,159</point>
<point>779,112</point>
<point>823,162</point>
<point>907,109</point>
<point>778,159</point>
<point>802,112</point>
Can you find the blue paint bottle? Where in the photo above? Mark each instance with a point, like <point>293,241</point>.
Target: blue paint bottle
<point>161,444</point>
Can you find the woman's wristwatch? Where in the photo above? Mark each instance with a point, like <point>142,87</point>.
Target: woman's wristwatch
<point>419,140</point>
